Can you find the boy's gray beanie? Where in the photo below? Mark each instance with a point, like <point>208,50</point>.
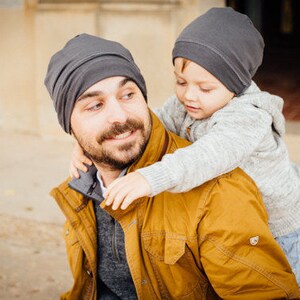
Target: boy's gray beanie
<point>226,44</point>
<point>84,61</point>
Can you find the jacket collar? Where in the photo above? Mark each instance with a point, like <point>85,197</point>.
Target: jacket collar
<point>88,184</point>
<point>157,146</point>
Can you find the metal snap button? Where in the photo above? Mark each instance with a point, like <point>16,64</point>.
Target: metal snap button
<point>254,240</point>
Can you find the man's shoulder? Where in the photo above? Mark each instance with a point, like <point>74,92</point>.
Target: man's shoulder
<point>177,142</point>
<point>228,185</point>
<point>63,192</point>
<point>237,177</point>
<point>234,191</point>
<point>63,187</point>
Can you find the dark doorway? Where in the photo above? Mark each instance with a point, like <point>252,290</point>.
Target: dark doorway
<point>279,23</point>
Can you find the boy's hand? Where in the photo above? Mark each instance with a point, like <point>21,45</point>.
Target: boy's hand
<point>78,159</point>
<point>123,191</point>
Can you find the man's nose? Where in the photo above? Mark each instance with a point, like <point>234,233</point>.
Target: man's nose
<point>116,112</point>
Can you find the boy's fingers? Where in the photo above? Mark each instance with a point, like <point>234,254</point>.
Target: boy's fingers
<point>111,195</point>
<point>117,201</point>
<point>74,172</point>
<point>132,196</point>
<point>119,195</point>
<point>83,168</point>
<point>105,194</point>
<point>108,200</point>
<point>85,160</point>
<point>127,201</point>
<point>79,165</point>
<point>113,190</point>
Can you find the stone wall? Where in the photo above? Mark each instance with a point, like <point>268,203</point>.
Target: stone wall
<point>33,30</point>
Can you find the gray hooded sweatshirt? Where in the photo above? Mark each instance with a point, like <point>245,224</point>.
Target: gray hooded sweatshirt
<point>247,133</point>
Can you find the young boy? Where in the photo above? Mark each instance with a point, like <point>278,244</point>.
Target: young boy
<point>231,122</point>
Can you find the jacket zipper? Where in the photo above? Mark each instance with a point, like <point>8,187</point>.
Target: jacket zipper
<point>188,131</point>
<point>93,288</point>
<point>114,242</point>
<point>91,189</point>
<point>186,125</point>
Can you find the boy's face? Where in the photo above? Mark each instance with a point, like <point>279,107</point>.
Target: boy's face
<point>199,91</point>
<point>111,122</point>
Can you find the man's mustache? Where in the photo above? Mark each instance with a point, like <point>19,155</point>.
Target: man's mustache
<point>116,129</point>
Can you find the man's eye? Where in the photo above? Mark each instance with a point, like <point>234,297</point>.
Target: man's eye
<point>95,106</point>
<point>128,96</point>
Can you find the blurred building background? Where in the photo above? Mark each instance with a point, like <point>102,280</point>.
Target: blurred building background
<point>34,152</point>
<point>32,30</point>
<point>279,23</point>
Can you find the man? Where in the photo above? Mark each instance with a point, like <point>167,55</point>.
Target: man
<point>212,242</point>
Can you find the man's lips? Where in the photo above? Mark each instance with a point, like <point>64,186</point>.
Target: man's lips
<point>121,132</point>
<point>121,136</point>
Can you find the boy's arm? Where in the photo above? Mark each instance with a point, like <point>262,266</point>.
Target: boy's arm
<point>240,256</point>
<point>233,136</point>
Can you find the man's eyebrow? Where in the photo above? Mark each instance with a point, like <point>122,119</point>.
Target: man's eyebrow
<point>99,93</point>
<point>124,81</point>
<point>89,95</point>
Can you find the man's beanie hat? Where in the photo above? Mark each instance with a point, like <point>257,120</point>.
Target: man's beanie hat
<point>84,61</point>
<point>226,44</point>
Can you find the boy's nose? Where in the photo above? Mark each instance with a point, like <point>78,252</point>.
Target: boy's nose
<point>190,94</point>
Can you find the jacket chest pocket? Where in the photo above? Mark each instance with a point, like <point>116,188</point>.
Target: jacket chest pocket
<point>174,267</point>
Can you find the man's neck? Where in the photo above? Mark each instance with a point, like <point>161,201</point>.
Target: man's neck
<point>108,175</point>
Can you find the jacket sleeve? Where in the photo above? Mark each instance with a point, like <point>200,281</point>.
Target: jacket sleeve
<point>233,135</point>
<point>240,257</point>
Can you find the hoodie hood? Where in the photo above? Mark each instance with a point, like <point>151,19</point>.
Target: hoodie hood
<point>272,104</point>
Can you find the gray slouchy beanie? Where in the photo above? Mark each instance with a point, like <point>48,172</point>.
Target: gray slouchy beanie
<point>226,44</point>
<point>84,61</point>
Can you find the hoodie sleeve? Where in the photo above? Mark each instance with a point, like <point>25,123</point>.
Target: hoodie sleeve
<point>171,114</point>
<point>233,134</point>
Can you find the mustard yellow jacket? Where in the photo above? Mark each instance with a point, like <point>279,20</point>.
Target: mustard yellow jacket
<point>210,243</point>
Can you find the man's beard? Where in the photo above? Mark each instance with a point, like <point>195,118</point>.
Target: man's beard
<point>106,156</point>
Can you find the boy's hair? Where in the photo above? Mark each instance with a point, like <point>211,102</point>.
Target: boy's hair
<point>226,44</point>
<point>184,63</point>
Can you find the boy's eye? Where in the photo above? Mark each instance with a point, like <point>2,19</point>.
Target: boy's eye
<point>204,90</point>
<point>179,82</point>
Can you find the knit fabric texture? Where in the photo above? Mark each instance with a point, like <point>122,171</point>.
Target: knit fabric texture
<point>226,44</point>
<point>84,61</point>
<point>247,133</point>
<point>114,279</point>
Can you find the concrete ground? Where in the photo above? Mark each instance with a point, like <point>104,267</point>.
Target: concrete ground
<point>33,262</point>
